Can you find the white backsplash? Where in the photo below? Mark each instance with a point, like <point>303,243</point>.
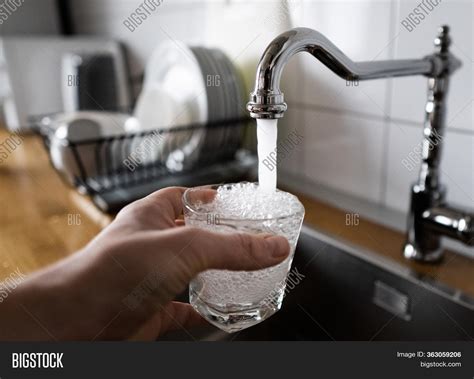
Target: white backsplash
<point>355,138</point>
<point>381,119</point>
<point>351,26</point>
<point>458,14</point>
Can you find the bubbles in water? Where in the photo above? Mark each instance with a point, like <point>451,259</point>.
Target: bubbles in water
<point>246,207</point>
<point>250,201</point>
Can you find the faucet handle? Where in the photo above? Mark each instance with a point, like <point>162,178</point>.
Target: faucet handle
<point>444,63</point>
<point>443,39</point>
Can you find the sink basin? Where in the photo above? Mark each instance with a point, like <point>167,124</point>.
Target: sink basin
<point>351,294</point>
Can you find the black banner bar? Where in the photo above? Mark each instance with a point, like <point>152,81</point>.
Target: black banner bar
<point>246,359</point>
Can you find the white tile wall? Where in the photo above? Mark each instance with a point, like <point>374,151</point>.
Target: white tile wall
<point>457,166</point>
<point>403,145</point>
<point>361,29</point>
<point>364,30</point>
<point>176,20</point>
<point>409,94</point>
<point>344,152</point>
<point>294,160</point>
<point>354,137</point>
<point>244,28</point>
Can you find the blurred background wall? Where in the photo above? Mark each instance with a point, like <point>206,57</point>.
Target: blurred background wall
<point>32,17</point>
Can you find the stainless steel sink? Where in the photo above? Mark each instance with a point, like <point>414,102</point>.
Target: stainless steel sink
<point>351,294</point>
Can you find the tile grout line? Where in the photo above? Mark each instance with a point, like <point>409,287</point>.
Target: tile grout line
<point>394,15</point>
<point>355,114</point>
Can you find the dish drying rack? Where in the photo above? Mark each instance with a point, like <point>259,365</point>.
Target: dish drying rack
<point>111,184</point>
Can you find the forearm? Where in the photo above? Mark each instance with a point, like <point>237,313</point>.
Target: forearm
<point>80,298</point>
<point>19,316</point>
<point>55,303</point>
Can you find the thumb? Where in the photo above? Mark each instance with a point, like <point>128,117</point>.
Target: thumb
<point>204,249</point>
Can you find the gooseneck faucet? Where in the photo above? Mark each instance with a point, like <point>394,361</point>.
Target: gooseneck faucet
<point>430,217</point>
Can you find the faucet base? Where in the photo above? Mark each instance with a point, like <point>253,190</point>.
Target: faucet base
<point>414,253</point>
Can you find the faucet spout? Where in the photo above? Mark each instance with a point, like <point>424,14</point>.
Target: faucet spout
<point>267,100</point>
<point>429,218</point>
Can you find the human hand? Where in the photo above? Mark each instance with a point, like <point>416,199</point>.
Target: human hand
<point>122,284</point>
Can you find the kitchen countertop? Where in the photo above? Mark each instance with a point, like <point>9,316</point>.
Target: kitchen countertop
<point>44,220</point>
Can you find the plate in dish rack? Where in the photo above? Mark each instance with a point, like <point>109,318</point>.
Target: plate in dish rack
<point>174,94</point>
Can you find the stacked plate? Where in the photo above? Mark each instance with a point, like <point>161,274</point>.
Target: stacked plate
<point>225,98</point>
<point>186,86</point>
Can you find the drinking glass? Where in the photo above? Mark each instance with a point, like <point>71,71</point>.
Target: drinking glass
<point>235,300</point>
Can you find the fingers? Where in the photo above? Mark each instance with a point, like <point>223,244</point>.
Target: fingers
<point>165,204</point>
<point>169,199</point>
<point>203,249</point>
<point>202,195</point>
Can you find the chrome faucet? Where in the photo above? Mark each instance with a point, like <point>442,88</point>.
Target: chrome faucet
<point>430,217</point>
